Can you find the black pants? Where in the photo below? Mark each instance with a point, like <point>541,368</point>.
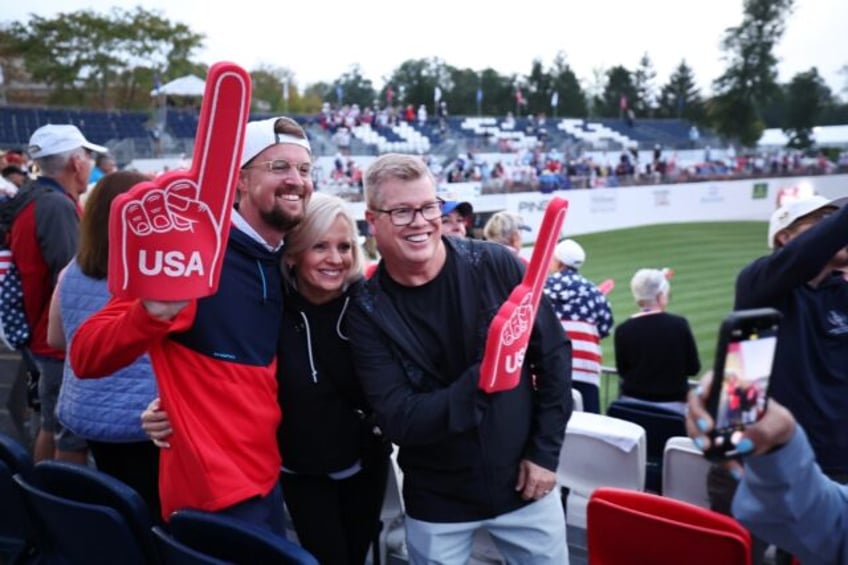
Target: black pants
<point>136,464</point>
<point>336,520</point>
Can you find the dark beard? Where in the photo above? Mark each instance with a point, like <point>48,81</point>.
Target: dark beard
<point>280,220</point>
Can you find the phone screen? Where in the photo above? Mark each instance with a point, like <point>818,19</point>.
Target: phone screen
<point>742,397</point>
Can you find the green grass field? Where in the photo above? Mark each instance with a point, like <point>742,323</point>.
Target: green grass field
<point>706,258</point>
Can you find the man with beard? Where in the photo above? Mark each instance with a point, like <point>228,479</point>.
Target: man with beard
<point>217,365</point>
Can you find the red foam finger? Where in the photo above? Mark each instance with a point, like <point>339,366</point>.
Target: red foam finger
<point>184,189</point>
<point>606,286</point>
<point>509,333</point>
<point>154,206</point>
<point>137,219</point>
<point>188,212</point>
<point>220,136</point>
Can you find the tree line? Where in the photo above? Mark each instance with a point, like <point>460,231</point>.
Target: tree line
<point>114,60</point>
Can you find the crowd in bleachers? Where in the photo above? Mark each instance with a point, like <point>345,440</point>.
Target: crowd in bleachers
<point>524,167</point>
<point>509,154</point>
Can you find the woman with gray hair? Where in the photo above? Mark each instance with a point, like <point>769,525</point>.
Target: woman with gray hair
<point>655,351</point>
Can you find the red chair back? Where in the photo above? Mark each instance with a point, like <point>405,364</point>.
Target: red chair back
<point>637,527</point>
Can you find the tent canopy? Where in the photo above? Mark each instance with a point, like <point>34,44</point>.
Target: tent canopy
<point>189,85</point>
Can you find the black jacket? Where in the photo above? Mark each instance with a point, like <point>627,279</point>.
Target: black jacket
<point>318,390</point>
<point>460,448</point>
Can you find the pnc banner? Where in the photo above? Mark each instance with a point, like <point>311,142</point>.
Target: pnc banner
<point>168,236</point>
<point>509,334</point>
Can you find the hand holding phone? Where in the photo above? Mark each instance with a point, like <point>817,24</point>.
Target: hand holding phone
<point>739,390</point>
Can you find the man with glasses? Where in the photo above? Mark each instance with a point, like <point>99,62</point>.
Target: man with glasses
<point>418,329</point>
<point>43,238</point>
<point>803,279</point>
<point>218,383</point>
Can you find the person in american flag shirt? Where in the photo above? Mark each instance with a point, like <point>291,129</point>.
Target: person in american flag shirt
<point>585,315</point>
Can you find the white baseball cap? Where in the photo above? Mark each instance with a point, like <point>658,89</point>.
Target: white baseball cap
<point>260,135</point>
<point>58,138</point>
<point>794,210</point>
<point>569,252</point>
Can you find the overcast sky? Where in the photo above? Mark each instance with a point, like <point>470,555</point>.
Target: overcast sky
<point>321,40</point>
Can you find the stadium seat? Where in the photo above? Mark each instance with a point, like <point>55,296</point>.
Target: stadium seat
<point>599,451</point>
<point>15,534</point>
<point>577,400</point>
<point>637,527</point>
<point>684,472</point>
<point>660,424</point>
<point>234,541</point>
<point>172,552</point>
<point>87,516</point>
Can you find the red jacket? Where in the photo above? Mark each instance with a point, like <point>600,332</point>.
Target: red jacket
<point>43,239</point>
<point>217,456</point>
<point>215,364</point>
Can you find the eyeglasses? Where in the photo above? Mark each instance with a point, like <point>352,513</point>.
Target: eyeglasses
<point>281,167</point>
<point>401,217</point>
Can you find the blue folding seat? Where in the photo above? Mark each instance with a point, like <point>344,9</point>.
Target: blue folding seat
<point>172,552</point>
<point>660,425</point>
<point>234,540</point>
<point>86,516</point>
<point>15,534</point>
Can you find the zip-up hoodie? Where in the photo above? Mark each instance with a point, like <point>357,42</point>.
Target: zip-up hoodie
<point>215,366</point>
<point>319,391</point>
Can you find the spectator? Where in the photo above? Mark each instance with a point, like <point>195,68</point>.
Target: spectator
<point>334,466</point>
<point>15,174</point>
<point>783,497</point>
<point>443,117</point>
<point>802,278</point>
<point>103,165</point>
<point>224,410</point>
<point>456,217</point>
<point>585,316</point>
<point>655,351</point>
<point>505,228</point>
<point>418,327</point>
<point>43,239</point>
<point>104,411</point>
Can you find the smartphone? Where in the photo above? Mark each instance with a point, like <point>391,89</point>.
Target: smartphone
<point>747,340</point>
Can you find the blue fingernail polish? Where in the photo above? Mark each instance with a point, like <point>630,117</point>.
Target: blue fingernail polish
<point>702,424</point>
<point>699,443</point>
<point>745,445</point>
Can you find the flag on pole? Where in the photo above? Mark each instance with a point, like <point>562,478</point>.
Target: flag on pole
<point>555,99</point>
<point>479,95</point>
<point>437,93</point>
<point>622,102</point>
<point>390,95</point>
<point>286,90</point>
<point>519,97</point>
<point>339,92</point>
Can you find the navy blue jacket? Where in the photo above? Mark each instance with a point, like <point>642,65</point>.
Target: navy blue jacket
<point>810,375</point>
